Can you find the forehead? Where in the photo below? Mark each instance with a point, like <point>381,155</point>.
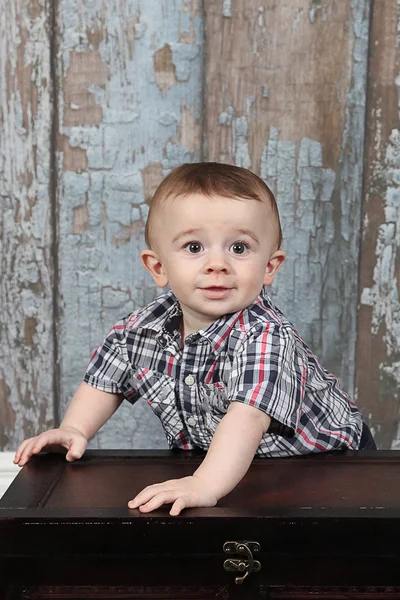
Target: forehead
<point>200,211</point>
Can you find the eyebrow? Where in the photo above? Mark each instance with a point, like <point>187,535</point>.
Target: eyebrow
<point>183,233</point>
<point>194,230</point>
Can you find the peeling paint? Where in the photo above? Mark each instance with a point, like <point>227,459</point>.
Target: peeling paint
<point>164,68</point>
<point>167,118</point>
<point>320,209</point>
<point>304,189</point>
<point>190,129</point>
<point>265,91</point>
<point>317,9</point>
<point>126,232</point>
<point>226,116</point>
<point>152,176</point>
<point>187,32</point>
<point>261,17</point>
<point>183,56</point>
<point>80,219</point>
<point>383,295</point>
<point>147,120</point>
<point>242,156</point>
<point>80,106</point>
<point>26,352</point>
<point>227,8</point>
<point>297,18</point>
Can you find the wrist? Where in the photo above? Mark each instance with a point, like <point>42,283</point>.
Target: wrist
<point>72,429</point>
<point>212,486</point>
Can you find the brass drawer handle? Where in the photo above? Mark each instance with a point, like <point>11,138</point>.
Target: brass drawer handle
<point>243,565</point>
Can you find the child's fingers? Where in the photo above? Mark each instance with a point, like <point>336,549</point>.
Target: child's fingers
<point>165,497</point>
<point>36,444</point>
<point>20,450</point>
<point>149,492</point>
<point>76,449</point>
<point>27,452</point>
<point>179,504</point>
<point>31,448</point>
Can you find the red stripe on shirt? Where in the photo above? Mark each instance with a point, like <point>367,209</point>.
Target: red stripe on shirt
<point>227,332</point>
<point>182,438</point>
<point>303,382</point>
<point>254,395</point>
<point>143,373</point>
<point>210,372</point>
<point>314,444</point>
<point>273,314</point>
<point>170,363</point>
<point>132,321</point>
<point>336,434</point>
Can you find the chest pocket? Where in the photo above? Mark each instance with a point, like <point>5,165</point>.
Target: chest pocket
<point>214,403</point>
<point>156,389</point>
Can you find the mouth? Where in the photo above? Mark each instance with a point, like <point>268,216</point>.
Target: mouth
<point>216,291</point>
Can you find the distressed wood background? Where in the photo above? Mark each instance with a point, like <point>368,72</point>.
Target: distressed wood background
<point>101,99</point>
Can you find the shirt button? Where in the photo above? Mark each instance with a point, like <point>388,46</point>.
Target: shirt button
<point>189,380</point>
<point>191,421</point>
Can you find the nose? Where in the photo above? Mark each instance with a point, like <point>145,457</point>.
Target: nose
<point>216,262</point>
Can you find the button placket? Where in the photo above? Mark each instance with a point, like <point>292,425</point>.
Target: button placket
<point>188,389</point>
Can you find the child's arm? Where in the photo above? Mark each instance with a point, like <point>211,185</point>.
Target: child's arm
<point>231,452</point>
<point>88,411</point>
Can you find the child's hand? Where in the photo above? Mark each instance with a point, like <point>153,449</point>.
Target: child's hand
<point>183,493</point>
<point>55,440</point>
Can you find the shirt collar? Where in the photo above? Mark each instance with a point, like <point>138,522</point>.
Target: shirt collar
<point>238,323</point>
<point>168,324</point>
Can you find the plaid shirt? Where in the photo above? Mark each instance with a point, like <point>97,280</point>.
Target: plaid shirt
<point>253,356</point>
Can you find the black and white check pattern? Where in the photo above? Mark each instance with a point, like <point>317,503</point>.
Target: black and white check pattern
<point>253,356</point>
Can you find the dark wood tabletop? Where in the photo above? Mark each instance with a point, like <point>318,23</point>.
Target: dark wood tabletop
<point>351,483</point>
<point>326,519</point>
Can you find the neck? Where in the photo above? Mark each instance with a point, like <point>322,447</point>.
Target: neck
<point>191,324</point>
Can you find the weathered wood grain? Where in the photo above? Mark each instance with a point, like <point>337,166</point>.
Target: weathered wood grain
<point>378,344</point>
<point>26,316</point>
<point>130,103</point>
<point>285,97</point>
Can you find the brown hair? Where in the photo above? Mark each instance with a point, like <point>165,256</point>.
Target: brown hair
<point>211,178</point>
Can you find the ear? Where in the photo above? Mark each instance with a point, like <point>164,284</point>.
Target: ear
<point>153,265</point>
<point>274,264</point>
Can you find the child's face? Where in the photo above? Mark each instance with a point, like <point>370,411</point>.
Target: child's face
<point>215,253</point>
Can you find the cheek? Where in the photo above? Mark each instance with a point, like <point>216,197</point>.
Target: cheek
<point>250,269</point>
<point>180,269</point>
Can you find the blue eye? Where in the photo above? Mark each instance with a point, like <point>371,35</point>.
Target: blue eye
<point>193,247</point>
<point>239,247</point>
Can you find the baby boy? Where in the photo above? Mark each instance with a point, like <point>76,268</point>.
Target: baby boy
<point>218,363</point>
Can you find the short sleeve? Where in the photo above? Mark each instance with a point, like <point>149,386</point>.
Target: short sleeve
<point>269,374</point>
<point>109,369</point>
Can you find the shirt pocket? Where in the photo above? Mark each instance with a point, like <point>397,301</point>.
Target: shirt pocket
<point>156,389</point>
<point>214,403</point>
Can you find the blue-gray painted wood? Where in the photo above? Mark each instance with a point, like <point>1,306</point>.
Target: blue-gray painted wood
<point>26,271</point>
<point>286,98</point>
<point>130,84</point>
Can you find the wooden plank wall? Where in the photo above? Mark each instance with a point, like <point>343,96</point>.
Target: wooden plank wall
<point>99,100</point>
<point>129,106</point>
<point>26,213</point>
<point>378,347</point>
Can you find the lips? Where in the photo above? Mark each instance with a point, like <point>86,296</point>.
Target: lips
<point>216,292</point>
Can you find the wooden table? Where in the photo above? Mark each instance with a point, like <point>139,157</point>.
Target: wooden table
<point>324,526</point>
